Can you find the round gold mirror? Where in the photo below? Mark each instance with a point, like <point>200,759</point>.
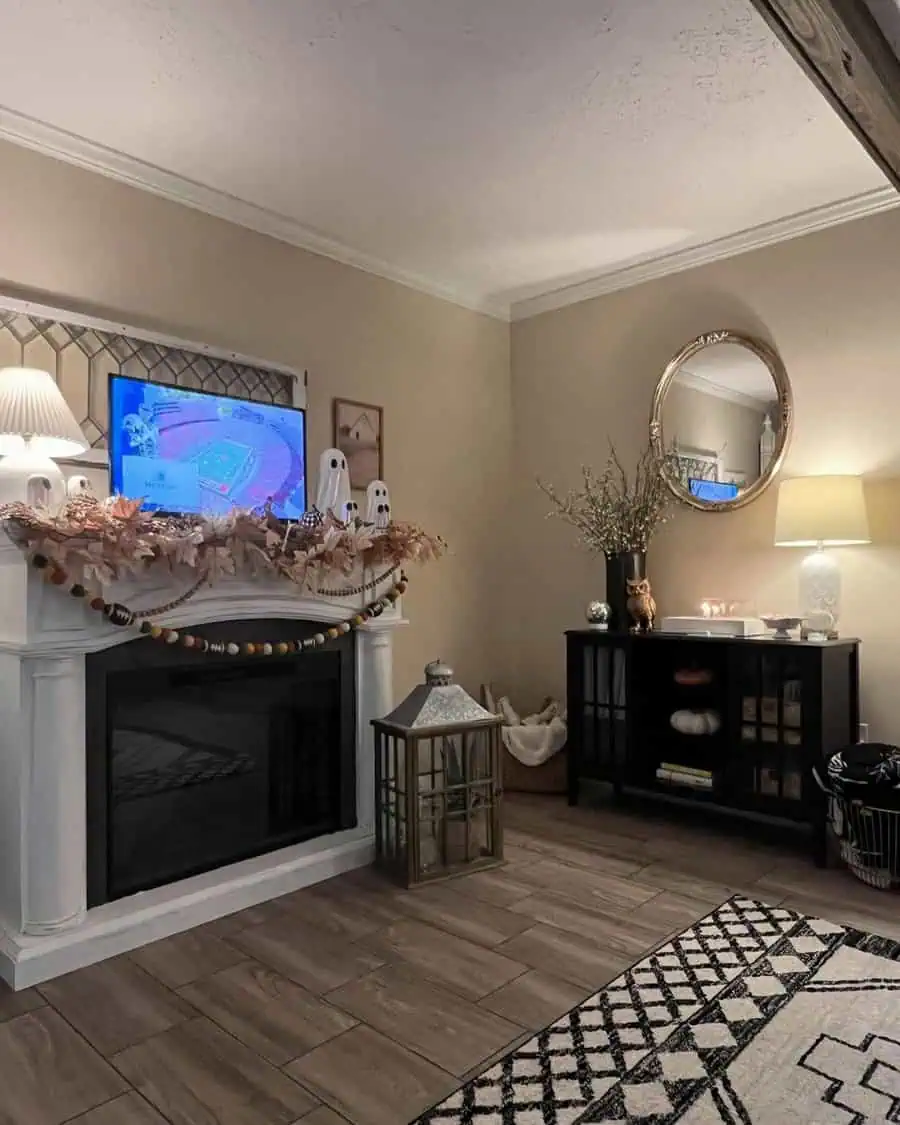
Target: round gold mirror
<point>721,420</point>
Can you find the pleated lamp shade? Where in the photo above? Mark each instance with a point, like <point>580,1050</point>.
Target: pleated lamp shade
<point>33,410</point>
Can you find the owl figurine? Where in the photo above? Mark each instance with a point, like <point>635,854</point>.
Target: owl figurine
<point>640,604</point>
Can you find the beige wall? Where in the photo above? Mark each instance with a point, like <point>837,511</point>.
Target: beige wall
<point>514,582</point>
<point>828,303</point>
<point>76,240</point>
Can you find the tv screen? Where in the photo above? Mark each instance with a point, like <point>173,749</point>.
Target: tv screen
<point>713,489</point>
<point>192,453</point>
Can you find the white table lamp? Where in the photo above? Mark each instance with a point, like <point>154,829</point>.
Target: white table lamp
<point>36,425</point>
<point>821,512</point>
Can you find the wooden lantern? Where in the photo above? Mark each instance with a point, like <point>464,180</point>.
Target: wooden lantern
<point>437,783</point>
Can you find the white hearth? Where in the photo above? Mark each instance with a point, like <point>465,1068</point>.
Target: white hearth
<point>47,929</point>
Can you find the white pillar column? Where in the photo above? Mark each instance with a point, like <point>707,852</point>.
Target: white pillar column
<point>375,698</point>
<point>54,891</point>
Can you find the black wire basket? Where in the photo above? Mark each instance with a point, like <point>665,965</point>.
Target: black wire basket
<point>866,828</point>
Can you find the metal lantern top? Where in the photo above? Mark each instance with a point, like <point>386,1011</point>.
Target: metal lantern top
<point>437,704</point>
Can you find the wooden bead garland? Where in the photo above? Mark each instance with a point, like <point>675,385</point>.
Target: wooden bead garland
<point>121,615</point>
<point>352,591</point>
<point>174,603</point>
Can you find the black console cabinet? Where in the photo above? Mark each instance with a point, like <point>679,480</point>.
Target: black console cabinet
<point>761,712</point>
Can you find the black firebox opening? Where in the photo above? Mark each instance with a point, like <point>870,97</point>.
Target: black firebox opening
<point>197,761</point>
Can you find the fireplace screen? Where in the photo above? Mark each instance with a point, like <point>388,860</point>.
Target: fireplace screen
<point>196,762</point>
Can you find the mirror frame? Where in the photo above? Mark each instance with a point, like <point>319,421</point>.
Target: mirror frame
<point>785,400</point>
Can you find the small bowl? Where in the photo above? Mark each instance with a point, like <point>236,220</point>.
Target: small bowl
<point>781,625</point>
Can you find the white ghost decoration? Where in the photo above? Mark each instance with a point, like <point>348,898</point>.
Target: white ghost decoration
<point>378,505</point>
<point>333,489</point>
<point>349,512</point>
<point>79,486</point>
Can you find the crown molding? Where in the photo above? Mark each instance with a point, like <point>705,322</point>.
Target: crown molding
<point>28,132</point>
<point>46,139</point>
<point>705,386</point>
<point>754,238</point>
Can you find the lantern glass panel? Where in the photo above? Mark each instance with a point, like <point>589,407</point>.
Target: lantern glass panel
<point>456,798</point>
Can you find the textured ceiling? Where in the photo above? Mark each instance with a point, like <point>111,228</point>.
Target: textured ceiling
<point>493,150</point>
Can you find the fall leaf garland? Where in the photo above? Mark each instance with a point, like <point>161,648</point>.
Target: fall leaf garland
<point>99,542</point>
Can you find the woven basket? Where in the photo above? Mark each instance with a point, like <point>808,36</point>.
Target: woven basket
<point>549,777</point>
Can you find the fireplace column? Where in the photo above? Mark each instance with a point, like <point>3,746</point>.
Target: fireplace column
<point>375,698</point>
<point>54,819</point>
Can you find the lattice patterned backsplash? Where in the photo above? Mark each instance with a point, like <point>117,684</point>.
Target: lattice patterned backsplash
<point>81,360</point>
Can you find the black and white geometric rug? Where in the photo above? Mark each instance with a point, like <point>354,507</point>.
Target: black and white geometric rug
<point>756,1015</point>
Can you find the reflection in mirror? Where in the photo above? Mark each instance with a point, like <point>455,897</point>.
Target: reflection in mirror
<point>720,417</point>
<point>721,410</point>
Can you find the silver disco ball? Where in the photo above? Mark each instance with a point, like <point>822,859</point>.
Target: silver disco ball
<point>598,615</point>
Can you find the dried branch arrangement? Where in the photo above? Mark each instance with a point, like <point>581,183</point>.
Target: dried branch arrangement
<point>611,513</point>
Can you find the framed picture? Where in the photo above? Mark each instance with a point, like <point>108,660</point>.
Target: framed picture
<point>359,435</point>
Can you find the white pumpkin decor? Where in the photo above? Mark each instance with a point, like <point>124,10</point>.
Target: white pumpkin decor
<point>696,722</point>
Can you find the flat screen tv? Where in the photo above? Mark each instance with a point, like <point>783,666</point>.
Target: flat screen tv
<point>191,452</point>
<point>713,489</point>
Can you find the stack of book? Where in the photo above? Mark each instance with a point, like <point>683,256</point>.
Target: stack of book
<point>692,778</point>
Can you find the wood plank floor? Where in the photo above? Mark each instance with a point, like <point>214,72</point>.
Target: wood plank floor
<point>356,1002</point>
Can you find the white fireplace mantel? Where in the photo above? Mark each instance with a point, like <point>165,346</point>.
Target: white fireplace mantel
<point>44,637</point>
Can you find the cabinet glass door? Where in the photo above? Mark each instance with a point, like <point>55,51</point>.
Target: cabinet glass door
<point>769,769</point>
<point>603,711</point>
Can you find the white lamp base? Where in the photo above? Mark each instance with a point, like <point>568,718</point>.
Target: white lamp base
<point>820,587</point>
<point>31,478</point>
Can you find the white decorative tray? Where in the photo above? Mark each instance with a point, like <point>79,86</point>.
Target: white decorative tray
<point>714,626</point>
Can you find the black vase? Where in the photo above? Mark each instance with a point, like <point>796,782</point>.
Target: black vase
<point>619,569</point>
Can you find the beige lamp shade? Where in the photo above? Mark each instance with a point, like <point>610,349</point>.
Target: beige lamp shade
<point>830,511</point>
<point>33,411</point>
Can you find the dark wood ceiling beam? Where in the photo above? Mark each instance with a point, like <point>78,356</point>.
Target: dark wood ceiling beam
<point>843,50</point>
